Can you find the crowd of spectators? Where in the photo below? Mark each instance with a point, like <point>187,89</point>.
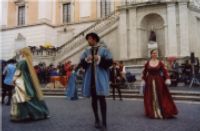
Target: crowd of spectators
<point>46,72</point>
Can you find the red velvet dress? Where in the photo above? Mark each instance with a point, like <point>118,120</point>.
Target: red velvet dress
<point>158,102</point>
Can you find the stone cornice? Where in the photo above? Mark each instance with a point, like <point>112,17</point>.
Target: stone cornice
<point>194,8</point>
<point>142,4</point>
<point>25,26</point>
<point>45,23</point>
<point>152,3</point>
<point>20,2</point>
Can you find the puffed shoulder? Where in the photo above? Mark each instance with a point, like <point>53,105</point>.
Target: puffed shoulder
<point>146,63</point>
<point>17,73</point>
<point>162,63</point>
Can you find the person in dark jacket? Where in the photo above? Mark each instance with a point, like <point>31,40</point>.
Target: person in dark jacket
<point>115,79</point>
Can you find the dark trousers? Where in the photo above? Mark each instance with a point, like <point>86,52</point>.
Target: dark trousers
<point>7,90</point>
<point>116,86</point>
<point>102,101</point>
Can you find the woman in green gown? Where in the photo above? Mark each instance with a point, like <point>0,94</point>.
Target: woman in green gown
<point>27,101</point>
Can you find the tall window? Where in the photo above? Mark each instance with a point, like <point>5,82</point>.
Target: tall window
<point>21,15</point>
<point>66,13</point>
<point>105,7</point>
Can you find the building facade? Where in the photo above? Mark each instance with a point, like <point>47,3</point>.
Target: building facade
<point>48,21</point>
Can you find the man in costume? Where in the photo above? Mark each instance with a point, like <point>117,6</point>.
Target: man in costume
<point>96,61</point>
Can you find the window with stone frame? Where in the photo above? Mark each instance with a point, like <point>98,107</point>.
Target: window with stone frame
<point>105,7</point>
<point>66,13</point>
<point>21,15</point>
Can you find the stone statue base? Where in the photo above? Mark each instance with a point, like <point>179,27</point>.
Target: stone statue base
<point>152,45</point>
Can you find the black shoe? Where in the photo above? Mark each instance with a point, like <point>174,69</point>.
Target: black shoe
<point>8,104</point>
<point>47,116</point>
<point>97,125</point>
<point>103,128</point>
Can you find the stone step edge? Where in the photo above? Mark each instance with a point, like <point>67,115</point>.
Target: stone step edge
<point>171,90</point>
<point>135,95</point>
<point>134,91</point>
<point>127,93</point>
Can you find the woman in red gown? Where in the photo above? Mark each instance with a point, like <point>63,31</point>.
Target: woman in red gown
<point>158,102</point>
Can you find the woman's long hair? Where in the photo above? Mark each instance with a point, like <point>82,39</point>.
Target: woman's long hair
<point>28,57</point>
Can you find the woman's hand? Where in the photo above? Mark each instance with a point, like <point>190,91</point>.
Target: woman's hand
<point>142,83</point>
<point>168,82</point>
<point>142,87</point>
<point>17,73</point>
<point>14,82</point>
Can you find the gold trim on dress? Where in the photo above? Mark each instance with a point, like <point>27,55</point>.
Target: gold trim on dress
<point>156,106</point>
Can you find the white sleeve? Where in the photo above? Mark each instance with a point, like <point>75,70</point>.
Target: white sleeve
<point>5,69</point>
<point>168,82</point>
<point>98,59</point>
<point>124,70</point>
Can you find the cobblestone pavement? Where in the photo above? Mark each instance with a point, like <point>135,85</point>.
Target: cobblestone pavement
<point>126,115</point>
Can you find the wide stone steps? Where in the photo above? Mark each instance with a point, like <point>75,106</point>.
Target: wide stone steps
<point>134,94</point>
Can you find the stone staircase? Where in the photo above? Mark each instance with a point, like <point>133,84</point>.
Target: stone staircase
<point>133,93</point>
<point>78,42</point>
